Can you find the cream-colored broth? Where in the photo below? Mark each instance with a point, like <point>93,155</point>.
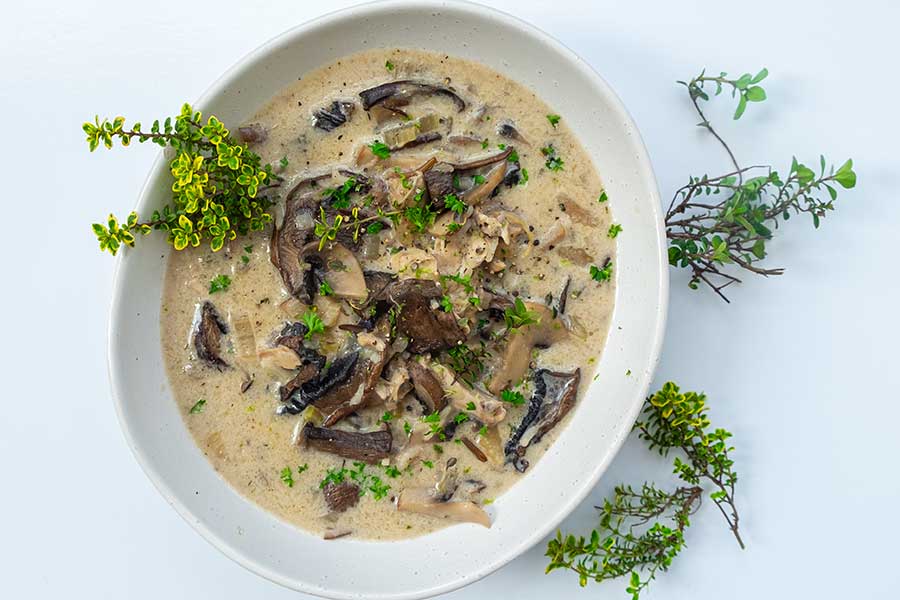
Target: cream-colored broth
<point>246,442</point>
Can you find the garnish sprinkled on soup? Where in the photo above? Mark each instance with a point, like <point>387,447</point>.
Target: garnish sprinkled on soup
<point>413,331</point>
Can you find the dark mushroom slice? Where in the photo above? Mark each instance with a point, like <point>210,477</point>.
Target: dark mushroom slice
<point>340,496</point>
<point>254,133</point>
<point>440,180</point>
<point>313,390</point>
<point>475,450</point>
<point>553,398</point>
<point>414,133</point>
<point>398,93</point>
<point>564,297</point>
<point>377,281</point>
<point>427,387</point>
<point>367,447</point>
<point>428,329</point>
<point>288,241</point>
<point>507,129</point>
<point>208,336</point>
<point>332,116</point>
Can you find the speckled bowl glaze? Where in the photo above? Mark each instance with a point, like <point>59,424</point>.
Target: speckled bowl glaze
<point>455,556</point>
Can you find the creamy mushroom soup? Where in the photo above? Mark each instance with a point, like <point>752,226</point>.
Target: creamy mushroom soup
<point>412,332</point>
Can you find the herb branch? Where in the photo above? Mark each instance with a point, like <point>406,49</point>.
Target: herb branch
<point>216,192</point>
<point>714,223</point>
<point>642,531</point>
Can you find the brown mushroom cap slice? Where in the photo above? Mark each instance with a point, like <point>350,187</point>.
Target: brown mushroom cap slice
<point>340,496</point>
<point>398,93</point>
<point>427,387</point>
<point>553,398</point>
<point>428,330</point>
<point>514,364</point>
<point>341,269</point>
<point>208,336</point>
<point>423,502</point>
<point>368,447</point>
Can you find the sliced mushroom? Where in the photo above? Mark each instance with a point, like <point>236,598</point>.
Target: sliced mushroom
<point>488,409</point>
<point>578,213</point>
<point>208,336</point>
<point>399,93</point>
<point>423,502</point>
<point>428,330</point>
<point>339,267</point>
<point>333,533</point>
<point>507,128</point>
<point>288,241</point>
<point>340,496</point>
<point>514,364</point>
<point>447,481</point>
<point>577,256</point>
<point>254,133</point>
<point>553,398</point>
<point>427,387</point>
<point>332,116</point>
<point>368,447</point>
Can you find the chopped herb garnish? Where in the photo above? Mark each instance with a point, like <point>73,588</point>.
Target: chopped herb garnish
<point>513,397</point>
<point>470,406</point>
<point>388,65</point>
<point>302,468</point>
<point>483,431</point>
<point>245,259</point>
<point>478,179</point>
<point>392,471</point>
<point>603,197</point>
<point>380,149</point>
<point>452,202</point>
<point>325,289</point>
<point>407,428</point>
<point>602,274</point>
<point>461,418</point>
<point>453,227</point>
<point>374,227</point>
<point>334,475</point>
<point>428,464</point>
<point>485,144</point>
<point>284,162</point>
<point>614,230</point>
<point>219,283</point>
<point>467,362</point>
<point>518,315</point>
<point>446,304</point>
<point>387,417</point>
<point>438,449</point>
<point>378,489</point>
<point>554,120</point>
<point>313,323</point>
<point>433,421</point>
<point>340,196</point>
<point>198,406</point>
<point>513,157</point>
<point>475,301</point>
<point>553,162</point>
<point>523,176</point>
<point>286,477</point>
<point>420,216</point>
<point>463,280</point>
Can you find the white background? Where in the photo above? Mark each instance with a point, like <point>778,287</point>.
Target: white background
<point>801,368</point>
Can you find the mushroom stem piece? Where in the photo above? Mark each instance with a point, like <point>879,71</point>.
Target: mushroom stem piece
<point>421,501</point>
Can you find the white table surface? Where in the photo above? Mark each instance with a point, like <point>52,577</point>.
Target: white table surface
<point>801,368</point>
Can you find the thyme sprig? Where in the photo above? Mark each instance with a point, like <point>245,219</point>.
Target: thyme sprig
<point>216,192</point>
<point>641,532</point>
<point>714,223</point>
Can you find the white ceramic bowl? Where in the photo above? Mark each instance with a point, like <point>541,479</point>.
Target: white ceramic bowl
<point>458,555</point>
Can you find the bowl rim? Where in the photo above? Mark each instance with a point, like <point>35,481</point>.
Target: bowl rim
<point>547,525</point>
